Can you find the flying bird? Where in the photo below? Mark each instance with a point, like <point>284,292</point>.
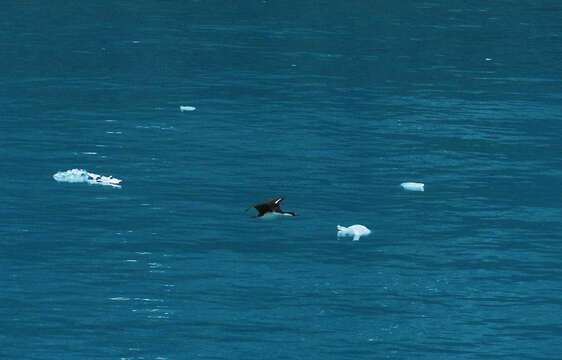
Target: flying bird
<point>271,209</point>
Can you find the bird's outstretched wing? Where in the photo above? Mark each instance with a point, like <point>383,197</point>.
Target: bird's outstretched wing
<point>262,209</point>
<point>271,205</point>
<point>275,204</point>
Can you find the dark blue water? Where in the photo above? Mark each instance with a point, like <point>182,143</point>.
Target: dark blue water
<point>330,104</point>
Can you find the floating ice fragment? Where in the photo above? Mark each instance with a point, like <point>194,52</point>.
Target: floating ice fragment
<point>413,186</point>
<point>82,176</point>
<point>71,176</point>
<point>354,230</point>
<point>103,180</point>
<point>186,108</point>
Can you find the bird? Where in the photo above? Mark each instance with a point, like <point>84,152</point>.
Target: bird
<point>271,209</point>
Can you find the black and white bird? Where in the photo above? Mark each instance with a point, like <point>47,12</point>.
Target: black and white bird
<point>271,209</point>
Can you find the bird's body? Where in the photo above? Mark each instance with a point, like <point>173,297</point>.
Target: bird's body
<point>272,210</point>
<point>274,215</point>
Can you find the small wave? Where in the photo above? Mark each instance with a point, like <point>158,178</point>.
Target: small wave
<point>155,127</point>
<point>148,299</point>
<point>83,176</point>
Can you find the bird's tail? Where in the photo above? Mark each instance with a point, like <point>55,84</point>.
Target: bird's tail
<point>254,216</point>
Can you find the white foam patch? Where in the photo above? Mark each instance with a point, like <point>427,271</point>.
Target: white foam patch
<point>83,176</point>
<point>187,108</point>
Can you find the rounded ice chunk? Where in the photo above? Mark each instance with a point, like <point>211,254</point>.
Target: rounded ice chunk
<point>354,230</point>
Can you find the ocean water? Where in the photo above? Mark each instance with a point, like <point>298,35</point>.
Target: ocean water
<point>330,104</point>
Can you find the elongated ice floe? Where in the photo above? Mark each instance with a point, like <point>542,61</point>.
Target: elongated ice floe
<point>412,186</point>
<point>83,176</point>
<point>187,108</point>
<point>354,230</point>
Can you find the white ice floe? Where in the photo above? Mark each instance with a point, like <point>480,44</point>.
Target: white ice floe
<point>72,176</point>
<point>82,176</point>
<point>103,180</point>
<point>412,186</point>
<point>354,230</point>
<point>186,108</point>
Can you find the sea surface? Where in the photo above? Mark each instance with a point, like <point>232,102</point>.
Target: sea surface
<point>330,104</point>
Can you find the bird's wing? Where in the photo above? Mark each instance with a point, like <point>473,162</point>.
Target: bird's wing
<point>271,205</point>
<point>276,204</point>
<point>262,208</point>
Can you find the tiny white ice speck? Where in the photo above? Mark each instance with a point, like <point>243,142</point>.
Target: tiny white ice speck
<point>186,108</point>
<point>413,186</point>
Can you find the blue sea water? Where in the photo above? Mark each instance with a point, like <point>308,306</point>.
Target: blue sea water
<point>330,104</point>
